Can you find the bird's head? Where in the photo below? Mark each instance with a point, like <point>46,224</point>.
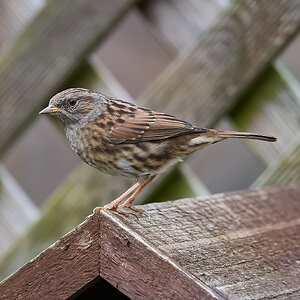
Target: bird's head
<point>75,106</point>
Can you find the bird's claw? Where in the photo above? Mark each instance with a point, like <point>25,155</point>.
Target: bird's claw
<point>132,207</point>
<point>117,208</point>
<point>109,207</point>
<point>105,207</point>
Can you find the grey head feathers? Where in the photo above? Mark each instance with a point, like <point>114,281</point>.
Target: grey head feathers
<point>77,106</point>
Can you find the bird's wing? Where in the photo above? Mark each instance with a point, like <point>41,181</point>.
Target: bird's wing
<point>129,123</point>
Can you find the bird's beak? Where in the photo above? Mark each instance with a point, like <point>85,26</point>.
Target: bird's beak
<point>50,109</point>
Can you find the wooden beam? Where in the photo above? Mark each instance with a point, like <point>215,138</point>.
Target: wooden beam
<point>40,61</point>
<point>234,245</point>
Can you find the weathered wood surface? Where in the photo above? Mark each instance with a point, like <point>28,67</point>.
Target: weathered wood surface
<point>244,245</point>
<point>240,245</point>
<point>60,271</point>
<point>44,56</point>
<point>131,263</point>
<point>224,60</point>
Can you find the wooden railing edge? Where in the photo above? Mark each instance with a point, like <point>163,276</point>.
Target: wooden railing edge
<point>75,261</point>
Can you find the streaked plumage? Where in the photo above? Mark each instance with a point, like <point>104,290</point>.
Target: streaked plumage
<point>121,138</point>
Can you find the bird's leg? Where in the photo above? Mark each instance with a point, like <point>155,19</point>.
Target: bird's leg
<point>114,204</point>
<point>128,202</point>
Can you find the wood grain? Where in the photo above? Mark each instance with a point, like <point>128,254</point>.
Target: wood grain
<point>40,61</point>
<point>243,245</point>
<point>133,265</point>
<point>61,270</point>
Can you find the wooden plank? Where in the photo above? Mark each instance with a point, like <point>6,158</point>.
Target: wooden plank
<point>239,245</point>
<point>68,265</point>
<point>243,245</point>
<point>45,55</point>
<point>226,58</point>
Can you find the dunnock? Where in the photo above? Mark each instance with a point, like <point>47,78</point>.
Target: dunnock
<point>121,138</point>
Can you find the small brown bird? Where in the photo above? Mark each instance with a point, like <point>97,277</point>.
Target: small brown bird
<point>120,138</point>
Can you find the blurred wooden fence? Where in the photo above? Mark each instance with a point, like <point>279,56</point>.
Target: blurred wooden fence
<point>226,69</point>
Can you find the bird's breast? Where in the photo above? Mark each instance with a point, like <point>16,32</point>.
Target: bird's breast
<point>134,160</point>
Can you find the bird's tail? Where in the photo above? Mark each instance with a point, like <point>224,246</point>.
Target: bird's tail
<point>245,135</point>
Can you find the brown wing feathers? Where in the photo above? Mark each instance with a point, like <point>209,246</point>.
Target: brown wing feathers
<point>132,124</point>
<point>138,124</point>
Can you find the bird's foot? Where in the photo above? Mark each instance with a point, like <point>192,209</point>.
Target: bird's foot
<point>110,206</point>
<point>132,207</point>
<point>116,207</point>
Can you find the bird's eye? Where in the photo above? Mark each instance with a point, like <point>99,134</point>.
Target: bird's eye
<point>73,102</point>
